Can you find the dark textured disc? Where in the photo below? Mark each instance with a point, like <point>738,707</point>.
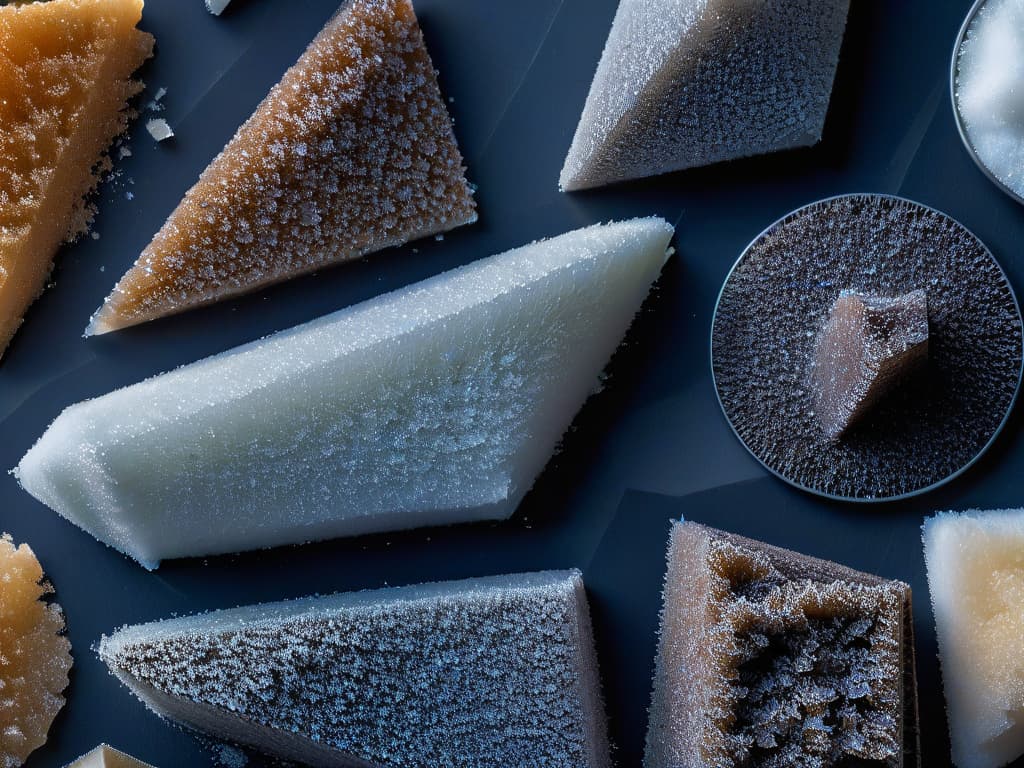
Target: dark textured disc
<point>777,298</point>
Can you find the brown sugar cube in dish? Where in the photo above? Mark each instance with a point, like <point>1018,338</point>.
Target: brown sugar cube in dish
<point>107,757</point>
<point>35,656</point>
<point>65,80</point>
<point>352,152</point>
<point>868,346</point>
<point>771,659</point>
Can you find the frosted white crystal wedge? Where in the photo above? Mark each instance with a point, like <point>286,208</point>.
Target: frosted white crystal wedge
<point>435,404</point>
<point>976,578</point>
<point>684,83</point>
<point>494,672</point>
<point>107,757</point>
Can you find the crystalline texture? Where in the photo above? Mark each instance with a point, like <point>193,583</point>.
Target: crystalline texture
<point>435,404</point>
<point>107,757</point>
<point>684,83</point>
<point>490,672</point>
<point>771,659</point>
<point>65,69</point>
<point>353,151</point>
<point>868,346</point>
<point>34,655</point>
<point>216,7</point>
<point>976,577</point>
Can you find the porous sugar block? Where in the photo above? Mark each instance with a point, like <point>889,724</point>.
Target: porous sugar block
<point>107,757</point>
<point>485,673</point>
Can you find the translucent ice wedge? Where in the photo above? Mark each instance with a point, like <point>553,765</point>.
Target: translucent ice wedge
<point>107,757</point>
<point>484,673</point>
<point>976,577</point>
<point>684,83</point>
<point>436,404</point>
<point>35,656</point>
<point>352,152</point>
<point>768,658</point>
<point>65,80</point>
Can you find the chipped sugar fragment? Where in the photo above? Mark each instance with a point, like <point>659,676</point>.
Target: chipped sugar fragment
<point>685,83</point>
<point>35,656</point>
<point>107,757</point>
<point>772,659</point>
<point>65,82</point>
<point>352,152</point>
<point>159,129</point>
<point>216,7</point>
<point>868,346</point>
<point>483,673</point>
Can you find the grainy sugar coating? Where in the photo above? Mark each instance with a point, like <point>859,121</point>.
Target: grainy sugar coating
<point>868,347</point>
<point>684,83</point>
<point>776,300</point>
<point>107,757</point>
<point>65,80</point>
<point>353,151</point>
<point>769,659</point>
<point>490,672</point>
<point>35,656</point>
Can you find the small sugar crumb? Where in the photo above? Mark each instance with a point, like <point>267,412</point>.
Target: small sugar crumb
<point>216,7</point>
<point>159,129</point>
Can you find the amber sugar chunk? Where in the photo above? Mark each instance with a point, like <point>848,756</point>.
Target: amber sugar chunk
<point>108,757</point>
<point>771,659</point>
<point>868,346</point>
<point>353,151</point>
<point>35,656</point>
<point>65,79</point>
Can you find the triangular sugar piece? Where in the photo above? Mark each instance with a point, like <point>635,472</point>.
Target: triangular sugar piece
<point>487,672</point>
<point>108,757</point>
<point>976,577</point>
<point>65,79</point>
<point>770,658</point>
<point>436,404</point>
<point>352,152</point>
<point>35,655</point>
<point>684,83</point>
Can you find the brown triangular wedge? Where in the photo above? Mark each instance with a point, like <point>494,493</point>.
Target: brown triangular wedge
<point>65,79</point>
<point>353,151</point>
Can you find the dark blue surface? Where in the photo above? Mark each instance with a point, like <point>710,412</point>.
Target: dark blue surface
<point>653,445</point>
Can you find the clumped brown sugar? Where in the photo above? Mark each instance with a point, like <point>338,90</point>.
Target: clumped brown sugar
<point>353,151</point>
<point>65,80</point>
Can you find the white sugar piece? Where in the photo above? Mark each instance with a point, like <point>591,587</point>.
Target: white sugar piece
<point>107,757</point>
<point>464,674</point>
<point>216,7</point>
<point>975,566</point>
<point>436,404</point>
<point>685,83</point>
<point>989,95</point>
<point>159,129</point>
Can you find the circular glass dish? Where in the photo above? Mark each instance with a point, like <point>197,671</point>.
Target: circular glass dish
<point>954,72</point>
<point>778,296</point>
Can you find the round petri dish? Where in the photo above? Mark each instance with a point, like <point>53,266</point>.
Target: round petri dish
<point>778,296</point>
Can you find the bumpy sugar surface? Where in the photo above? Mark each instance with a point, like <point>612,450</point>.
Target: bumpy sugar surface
<point>489,672</point>
<point>353,151</point>
<point>868,346</point>
<point>34,655</point>
<point>777,299</point>
<point>989,96</point>
<point>768,662</point>
<point>431,405</point>
<point>976,578</point>
<point>684,83</point>
<point>216,7</point>
<point>107,757</point>
<point>65,69</point>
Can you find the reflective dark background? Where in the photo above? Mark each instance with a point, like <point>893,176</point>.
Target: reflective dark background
<point>652,446</point>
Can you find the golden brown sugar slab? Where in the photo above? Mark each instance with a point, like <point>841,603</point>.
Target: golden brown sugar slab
<point>65,80</point>
<point>352,152</point>
<point>35,656</point>
<point>107,757</point>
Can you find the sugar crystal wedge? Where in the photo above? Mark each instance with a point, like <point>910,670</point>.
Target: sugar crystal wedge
<point>107,757</point>
<point>352,152</point>
<point>435,404</point>
<point>685,83</point>
<point>35,656</point>
<point>769,658</point>
<point>975,566</point>
<point>65,80</point>
<point>484,673</point>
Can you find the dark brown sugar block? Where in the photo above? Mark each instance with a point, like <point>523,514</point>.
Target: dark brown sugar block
<point>866,348</point>
<point>771,659</point>
<point>352,152</point>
